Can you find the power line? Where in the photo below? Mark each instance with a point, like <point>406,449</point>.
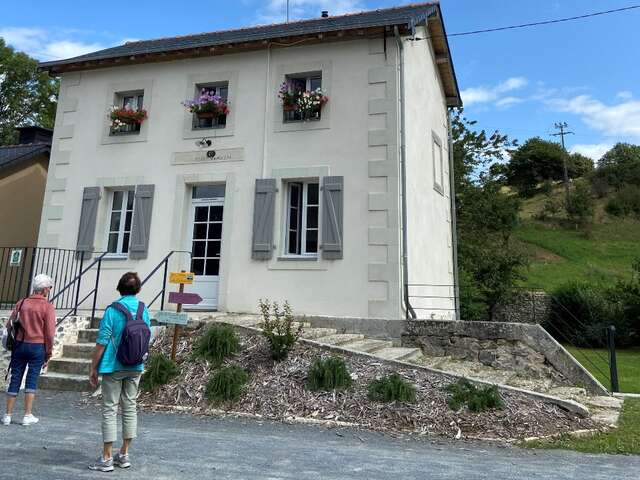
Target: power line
<point>532,24</point>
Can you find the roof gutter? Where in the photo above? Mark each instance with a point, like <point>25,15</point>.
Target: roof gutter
<point>409,311</point>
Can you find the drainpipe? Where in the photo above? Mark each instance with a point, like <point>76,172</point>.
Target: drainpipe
<point>409,311</point>
<point>267,123</point>
<point>454,228</point>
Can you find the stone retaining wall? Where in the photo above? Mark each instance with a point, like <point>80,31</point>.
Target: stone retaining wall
<point>514,346</point>
<point>526,307</point>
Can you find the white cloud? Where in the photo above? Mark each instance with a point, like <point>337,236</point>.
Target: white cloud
<point>625,95</point>
<point>275,11</point>
<point>490,94</point>
<point>594,151</point>
<point>621,119</point>
<point>53,44</point>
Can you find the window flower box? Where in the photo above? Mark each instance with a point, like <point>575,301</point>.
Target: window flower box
<point>126,119</point>
<point>208,105</point>
<point>299,104</point>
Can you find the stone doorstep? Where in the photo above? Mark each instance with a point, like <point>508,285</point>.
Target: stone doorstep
<point>569,405</point>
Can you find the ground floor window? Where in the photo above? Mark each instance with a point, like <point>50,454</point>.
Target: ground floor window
<point>302,216</point>
<point>120,218</point>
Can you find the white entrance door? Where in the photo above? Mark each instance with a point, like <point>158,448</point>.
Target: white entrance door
<point>206,243</point>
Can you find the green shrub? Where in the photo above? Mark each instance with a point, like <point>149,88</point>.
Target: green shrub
<point>216,344</point>
<point>580,312</point>
<point>226,384</point>
<point>476,399</point>
<point>581,206</point>
<point>277,327</point>
<point>392,388</point>
<point>328,374</point>
<point>625,202</point>
<point>159,371</point>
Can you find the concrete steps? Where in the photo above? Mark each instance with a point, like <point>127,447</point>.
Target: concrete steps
<point>399,353</point>
<point>88,336</point>
<point>74,366</point>
<point>314,333</point>
<point>340,338</point>
<point>64,381</point>
<point>368,345</point>
<point>78,350</point>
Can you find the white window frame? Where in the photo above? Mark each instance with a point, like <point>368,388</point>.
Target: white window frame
<point>127,193</point>
<point>119,101</point>
<point>307,77</point>
<point>438,163</point>
<point>302,227</point>
<point>210,85</point>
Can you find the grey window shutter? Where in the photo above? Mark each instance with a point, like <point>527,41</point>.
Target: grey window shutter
<point>88,216</point>
<point>142,208</point>
<point>263,215</point>
<point>332,217</point>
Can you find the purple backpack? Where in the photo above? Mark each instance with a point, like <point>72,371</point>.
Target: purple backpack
<point>134,343</point>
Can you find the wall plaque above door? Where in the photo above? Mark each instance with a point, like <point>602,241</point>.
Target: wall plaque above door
<point>210,155</point>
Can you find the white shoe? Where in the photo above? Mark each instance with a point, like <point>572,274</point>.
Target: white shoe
<point>29,420</point>
<point>6,420</point>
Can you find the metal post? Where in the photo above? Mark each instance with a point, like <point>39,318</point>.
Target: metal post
<point>176,329</point>
<point>613,364</point>
<point>164,282</point>
<point>75,307</point>
<point>95,290</point>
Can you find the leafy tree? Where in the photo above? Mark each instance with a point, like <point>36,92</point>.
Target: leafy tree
<point>486,216</point>
<point>620,165</point>
<point>581,207</point>
<point>536,161</point>
<point>579,166</point>
<point>27,96</point>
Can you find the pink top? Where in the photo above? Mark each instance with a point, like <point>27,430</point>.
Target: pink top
<point>38,321</point>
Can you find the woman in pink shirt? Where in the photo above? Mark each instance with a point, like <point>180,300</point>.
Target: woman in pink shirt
<point>34,346</point>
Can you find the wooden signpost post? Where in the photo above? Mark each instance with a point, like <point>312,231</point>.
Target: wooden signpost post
<point>178,318</point>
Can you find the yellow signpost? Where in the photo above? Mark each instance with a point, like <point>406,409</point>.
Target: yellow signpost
<point>184,278</point>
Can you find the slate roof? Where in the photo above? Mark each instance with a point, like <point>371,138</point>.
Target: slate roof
<point>13,154</point>
<point>409,15</point>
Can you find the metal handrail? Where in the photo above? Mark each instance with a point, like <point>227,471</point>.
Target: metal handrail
<point>164,262</point>
<point>78,277</point>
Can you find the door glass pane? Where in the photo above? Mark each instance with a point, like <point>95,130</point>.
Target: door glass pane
<point>215,213</point>
<point>199,249</point>
<point>200,231</point>
<point>212,267</point>
<point>112,246</point>
<point>201,214</point>
<point>117,200</point>
<point>213,249</point>
<point>197,267</point>
<point>215,230</point>
<point>208,191</point>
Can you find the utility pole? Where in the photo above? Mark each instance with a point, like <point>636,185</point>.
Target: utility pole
<point>287,11</point>
<point>562,126</point>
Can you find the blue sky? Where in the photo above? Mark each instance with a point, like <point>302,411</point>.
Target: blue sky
<point>586,72</point>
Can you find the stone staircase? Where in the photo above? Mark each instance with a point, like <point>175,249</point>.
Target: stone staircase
<point>385,349</point>
<point>71,370</point>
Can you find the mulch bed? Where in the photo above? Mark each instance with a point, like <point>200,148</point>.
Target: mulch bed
<point>277,391</point>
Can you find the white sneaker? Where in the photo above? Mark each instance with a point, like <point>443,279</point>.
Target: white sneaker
<point>6,420</point>
<point>29,420</point>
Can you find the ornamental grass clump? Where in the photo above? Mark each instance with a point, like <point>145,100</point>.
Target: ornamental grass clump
<point>216,344</point>
<point>328,374</point>
<point>278,328</point>
<point>158,371</point>
<point>476,399</point>
<point>226,384</point>
<point>392,388</point>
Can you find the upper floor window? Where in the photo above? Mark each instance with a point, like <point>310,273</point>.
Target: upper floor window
<point>302,97</point>
<point>120,218</point>
<point>127,113</point>
<point>302,217</point>
<point>438,164</point>
<point>209,106</point>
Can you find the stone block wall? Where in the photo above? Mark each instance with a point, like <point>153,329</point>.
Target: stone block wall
<point>524,348</point>
<point>526,307</point>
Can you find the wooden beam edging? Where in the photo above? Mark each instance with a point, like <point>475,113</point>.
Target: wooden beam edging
<point>569,405</point>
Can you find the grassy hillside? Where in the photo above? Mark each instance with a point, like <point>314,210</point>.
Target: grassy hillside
<point>559,255</point>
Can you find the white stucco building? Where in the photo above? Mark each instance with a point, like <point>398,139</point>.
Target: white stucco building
<point>271,205</point>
